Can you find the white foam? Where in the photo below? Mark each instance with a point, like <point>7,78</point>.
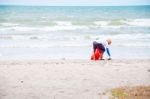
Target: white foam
<point>139,22</point>
<point>107,24</point>
<point>63,23</point>
<point>48,28</point>
<point>45,41</point>
<point>43,45</point>
<point>58,28</point>
<point>137,36</point>
<point>9,24</point>
<point>120,23</point>
<point>19,28</point>
<point>101,23</point>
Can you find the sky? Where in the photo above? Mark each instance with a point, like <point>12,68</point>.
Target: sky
<point>75,2</point>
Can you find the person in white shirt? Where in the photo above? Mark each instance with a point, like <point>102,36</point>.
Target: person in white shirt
<point>102,46</point>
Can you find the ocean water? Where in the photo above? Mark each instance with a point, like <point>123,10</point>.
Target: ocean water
<point>58,32</point>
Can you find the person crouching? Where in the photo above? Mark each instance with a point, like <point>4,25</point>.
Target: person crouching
<point>99,47</point>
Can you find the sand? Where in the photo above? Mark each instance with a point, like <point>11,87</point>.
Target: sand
<point>69,79</point>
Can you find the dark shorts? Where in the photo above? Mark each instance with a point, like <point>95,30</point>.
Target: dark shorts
<point>99,46</point>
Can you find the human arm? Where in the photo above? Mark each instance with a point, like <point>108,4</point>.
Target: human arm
<point>108,52</point>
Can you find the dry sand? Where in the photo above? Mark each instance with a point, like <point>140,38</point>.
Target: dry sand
<point>69,79</point>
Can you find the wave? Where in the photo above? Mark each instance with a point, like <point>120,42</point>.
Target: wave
<point>139,22</point>
<point>59,28</point>
<point>43,45</point>
<point>47,37</point>
<point>68,25</point>
<point>47,41</point>
<point>124,22</point>
<point>101,23</point>
<point>72,37</point>
<point>137,36</point>
<point>63,23</point>
<point>45,28</point>
<point>7,24</point>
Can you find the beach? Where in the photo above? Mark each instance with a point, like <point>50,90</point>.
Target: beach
<point>69,79</point>
<point>45,51</point>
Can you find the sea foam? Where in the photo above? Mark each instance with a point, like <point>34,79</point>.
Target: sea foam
<point>123,22</point>
<point>139,22</point>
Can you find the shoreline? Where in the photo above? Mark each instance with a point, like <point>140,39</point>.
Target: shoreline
<point>75,59</point>
<point>69,79</point>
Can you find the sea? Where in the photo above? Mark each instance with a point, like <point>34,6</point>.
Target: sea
<point>67,32</point>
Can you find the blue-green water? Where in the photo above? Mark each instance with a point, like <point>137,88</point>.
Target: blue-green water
<point>31,15</point>
<point>68,32</point>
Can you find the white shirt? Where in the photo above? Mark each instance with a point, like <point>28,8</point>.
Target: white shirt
<point>104,42</point>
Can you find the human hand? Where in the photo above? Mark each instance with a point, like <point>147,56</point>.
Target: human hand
<point>109,58</point>
<point>102,59</point>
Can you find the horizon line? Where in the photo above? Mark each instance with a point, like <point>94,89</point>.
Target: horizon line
<point>70,5</point>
